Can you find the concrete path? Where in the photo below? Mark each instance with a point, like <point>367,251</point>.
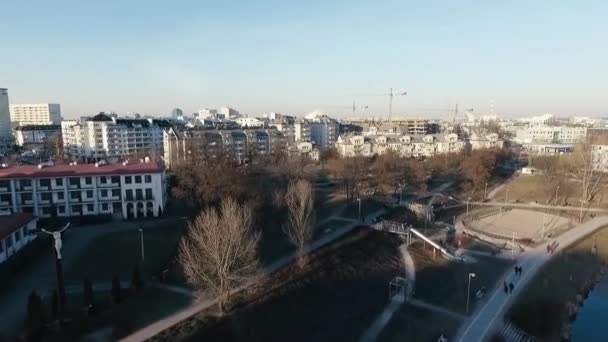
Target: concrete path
<point>204,303</point>
<point>488,318</point>
<point>374,330</point>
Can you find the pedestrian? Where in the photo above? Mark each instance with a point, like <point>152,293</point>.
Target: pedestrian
<point>520,270</point>
<point>511,286</point>
<point>515,268</point>
<point>506,287</point>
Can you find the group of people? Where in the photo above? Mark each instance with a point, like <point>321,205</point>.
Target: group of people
<point>509,287</point>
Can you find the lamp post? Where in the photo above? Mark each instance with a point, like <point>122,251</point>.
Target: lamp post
<point>141,235</point>
<point>359,200</point>
<point>471,275</point>
<point>485,191</point>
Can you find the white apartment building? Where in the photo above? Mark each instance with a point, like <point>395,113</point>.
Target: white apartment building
<point>485,140</point>
<point>428,145</point>
<point>229,113</point>
<point>121,190</point>
<point>302,131</point>
<point>16,231</point>
<point>249,122</point>
<point>36,114</point>
<point>103,136</point>
<point>36,134</point>
<point>550,134</point>
<point>5,118</point>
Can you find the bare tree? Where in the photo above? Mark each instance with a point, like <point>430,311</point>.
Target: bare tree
<point>586,167</point>
<point>219,253</point>
<point>300,205</point>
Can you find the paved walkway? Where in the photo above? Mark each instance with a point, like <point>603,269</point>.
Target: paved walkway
<point>204,303</point>
<point>488,318</point>
<point>535,206</point>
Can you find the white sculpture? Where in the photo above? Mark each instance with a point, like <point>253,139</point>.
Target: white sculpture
<point>57,237</point>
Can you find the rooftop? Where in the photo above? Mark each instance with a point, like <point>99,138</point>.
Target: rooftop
<point>32,171</point>
<point>10,223</point>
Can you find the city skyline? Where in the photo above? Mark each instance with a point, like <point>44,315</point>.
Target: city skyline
<point>274,56</point>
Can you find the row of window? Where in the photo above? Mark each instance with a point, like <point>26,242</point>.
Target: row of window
<point>9,240</point>
<point>46,182</point>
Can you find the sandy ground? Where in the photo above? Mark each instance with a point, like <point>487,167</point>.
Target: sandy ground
<point>525,223</point>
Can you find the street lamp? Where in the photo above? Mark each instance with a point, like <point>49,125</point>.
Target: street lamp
<point>471,275</point>
<point>141,235</point>
<point>359,200</point>
<point>485,191</point>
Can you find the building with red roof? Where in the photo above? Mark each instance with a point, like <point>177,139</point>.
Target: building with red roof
<point>125,190</point>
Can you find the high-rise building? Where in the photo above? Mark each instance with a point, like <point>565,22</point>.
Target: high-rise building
<point>36,114</point>
<point>5,118</point>
<point>324,132</point>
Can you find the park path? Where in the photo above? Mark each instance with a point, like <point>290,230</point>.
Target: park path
<point>207,302</point>
<point>41,275</point>
<point>374,330</point>
<point>489,317</point>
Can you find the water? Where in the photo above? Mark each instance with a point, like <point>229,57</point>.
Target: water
<point>589,324</point>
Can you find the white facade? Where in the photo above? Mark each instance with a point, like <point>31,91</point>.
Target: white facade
<point>5,118</point>
<point>104,136</point>
<point>126,191</point>
<point>36,134</point>
<point>249,122</point>
<point>229,113</point>
<point>550,134</point>
<point>489,140</point>
<point>404,145</point>
<point>323,132</point>
<point>16,231</point>
<point>302,130</point>
<point>36,114</point>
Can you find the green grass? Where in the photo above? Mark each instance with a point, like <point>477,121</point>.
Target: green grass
<point>118,252</point>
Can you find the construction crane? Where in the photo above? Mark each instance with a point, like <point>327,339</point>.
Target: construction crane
<point>391,95</point>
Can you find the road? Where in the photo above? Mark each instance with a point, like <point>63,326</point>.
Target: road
<point>204,303</point>
<point>488,318</point>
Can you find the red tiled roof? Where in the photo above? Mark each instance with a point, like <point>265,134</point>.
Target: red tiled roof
<point>10,223</point>
<point>78,170</point>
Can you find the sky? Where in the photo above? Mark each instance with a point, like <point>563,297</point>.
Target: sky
<point>525,57</point>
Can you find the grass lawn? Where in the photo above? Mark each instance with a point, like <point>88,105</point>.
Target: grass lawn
<point>412,324</point>
<point>530,188</point>
<point>444,283</point>
<point>538,309</point>
<point>116,253</point>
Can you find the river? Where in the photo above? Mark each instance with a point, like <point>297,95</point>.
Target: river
<point>589,324</point>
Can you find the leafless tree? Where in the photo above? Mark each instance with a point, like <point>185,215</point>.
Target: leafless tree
<point>300,205</point>
<point>219,252</point>
<point>586,169</point>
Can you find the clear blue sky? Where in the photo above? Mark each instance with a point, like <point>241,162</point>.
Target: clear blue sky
<point>296,56</point>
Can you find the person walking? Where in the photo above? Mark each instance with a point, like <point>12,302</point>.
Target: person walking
<point>506,287</point>
<point>511,286</point>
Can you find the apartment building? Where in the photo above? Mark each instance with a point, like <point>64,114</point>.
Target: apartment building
<point>323,132</point>
<point>36,134</point>
<point>107,136</point>
<point>428,145</point>
<point>16,232</point>
<point>235,144</point>
<point>5,118</point>
<point>36,114</point>
<point>550,134</point>
<point>485,140</point>
<point>122,190</point>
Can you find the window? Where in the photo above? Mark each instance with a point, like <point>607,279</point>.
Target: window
<point>148,179</point>
<point>46,210</point>
<point>74,181</point>
<point>104,206</point>
<point>45,182</point>
<point>46,196</point>
<point>90,207</point>
<point>104,193</point>
<point>59,181</point>
<point>128,180</point>
<point>74,194</point>
<point>115,179</point>
<point>26,182</point>
<point>89,193</point>
<point>9,241</point>
<point>88,180</point>
<point>26,197</point>
<point>139,194</point>
<point>60,195</point>
<point>103,180</point>
<point>148,193</point>
<point>115,192</point>
<point>18,234</point>
<point>60,209</point>
<point>76,208</point>
<point>138,179</point>
<point>129,195</point>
